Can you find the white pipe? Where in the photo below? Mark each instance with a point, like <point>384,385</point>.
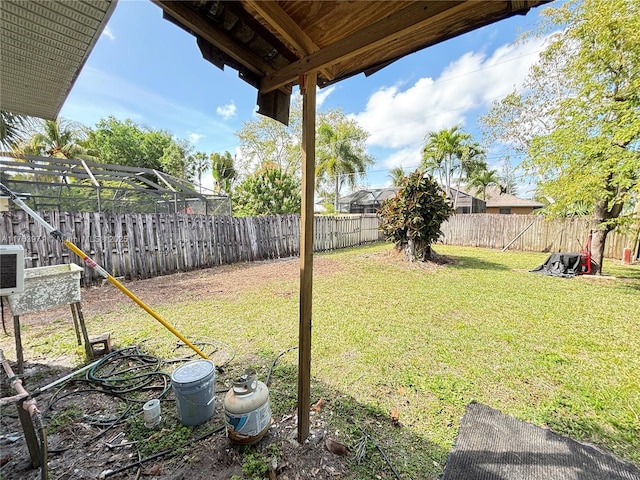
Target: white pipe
<point>67,377</point>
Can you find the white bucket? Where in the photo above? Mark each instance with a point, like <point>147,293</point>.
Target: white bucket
<point>151,413</point>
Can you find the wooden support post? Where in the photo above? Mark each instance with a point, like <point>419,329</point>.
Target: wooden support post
<point>76,310</point>
<point>75,324</point>
<point>26,408</point>
<point>308,90</point>
<point>30,437</point>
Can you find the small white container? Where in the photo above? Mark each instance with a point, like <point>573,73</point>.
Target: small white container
<point>151,413</point>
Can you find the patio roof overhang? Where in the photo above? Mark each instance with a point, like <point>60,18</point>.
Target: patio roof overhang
<point>43,46</point>
<point>273,43</point>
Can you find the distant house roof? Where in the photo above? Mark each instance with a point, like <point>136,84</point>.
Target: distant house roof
<point>464,199</point>
<point>495,198</point>
<point>373,196</point>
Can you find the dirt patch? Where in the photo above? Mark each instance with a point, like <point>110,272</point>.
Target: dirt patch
<point>221,281</point>
<point>397,259</point>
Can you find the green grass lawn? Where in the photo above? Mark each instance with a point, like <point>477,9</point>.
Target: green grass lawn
<point>561,353</point>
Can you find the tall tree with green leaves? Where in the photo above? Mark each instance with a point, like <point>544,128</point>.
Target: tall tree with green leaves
<point>201,165</point>
<point>577,119</point>
<point>56,138</point>
<point>127,143</point>
<point>61,139</point>
<point>341,156</point>
<point>412,219</point>
<point>223,171</point>
<point>441,152</point>
<point>267,141</point>
<point>472,162</point>
<point>483,179</point>
<point>177,161</point>
<point>268,191</point>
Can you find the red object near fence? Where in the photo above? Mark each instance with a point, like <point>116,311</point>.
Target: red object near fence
<point>585,258</point>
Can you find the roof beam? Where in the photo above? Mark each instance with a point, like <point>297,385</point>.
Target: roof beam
<point>398,24</point>
<point>93,179</point>
<point>191,19</point>
<point>275,16</point>
<point>163,180</point>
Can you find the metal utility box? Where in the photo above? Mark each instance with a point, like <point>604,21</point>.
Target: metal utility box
<point>11,269</point>
<point>47,287</point>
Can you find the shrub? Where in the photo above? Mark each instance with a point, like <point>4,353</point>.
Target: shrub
<point>412,218</point>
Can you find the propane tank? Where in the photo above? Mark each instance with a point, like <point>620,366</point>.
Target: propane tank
<point>246,409</point>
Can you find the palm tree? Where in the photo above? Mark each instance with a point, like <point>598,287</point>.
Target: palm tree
<point>201,165</point>
<point>472,160</point>
<point>223,172</point>
<point>339,157</point>
<point>13,129</point>
<point>397,175</point>
<point>482,179</point>
<point>442,152</point>
<point>57,138</point>
<point>449,152</point>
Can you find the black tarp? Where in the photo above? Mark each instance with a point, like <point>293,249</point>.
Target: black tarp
<point>561,265</point>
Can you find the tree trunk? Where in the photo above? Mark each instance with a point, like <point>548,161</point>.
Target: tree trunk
<point>455,201</point>
<point>417,251</point>
<point>337,194</point>
<point>447,177</point>
<point>597,250</point>
<point>602,213</point>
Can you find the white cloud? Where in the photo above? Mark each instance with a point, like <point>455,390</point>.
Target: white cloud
<point>194,137</point>
<point>227,111</point>
<point>322,95</point>
<point>108,33</point>
<point>399,117</point>
<point>408,158</point>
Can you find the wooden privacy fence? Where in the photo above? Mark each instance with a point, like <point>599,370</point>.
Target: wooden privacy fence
<point>536,234</point>
<point>147,245</point>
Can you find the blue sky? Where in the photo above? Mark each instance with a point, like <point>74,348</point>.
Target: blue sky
<point>148,70</point>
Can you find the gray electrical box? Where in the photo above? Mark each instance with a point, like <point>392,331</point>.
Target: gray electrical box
<point>11,269</point>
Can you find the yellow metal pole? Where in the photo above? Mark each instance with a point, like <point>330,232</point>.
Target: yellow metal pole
<point>86,259</point>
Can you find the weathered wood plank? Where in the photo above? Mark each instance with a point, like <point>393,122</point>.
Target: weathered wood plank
<point>119,245</point>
